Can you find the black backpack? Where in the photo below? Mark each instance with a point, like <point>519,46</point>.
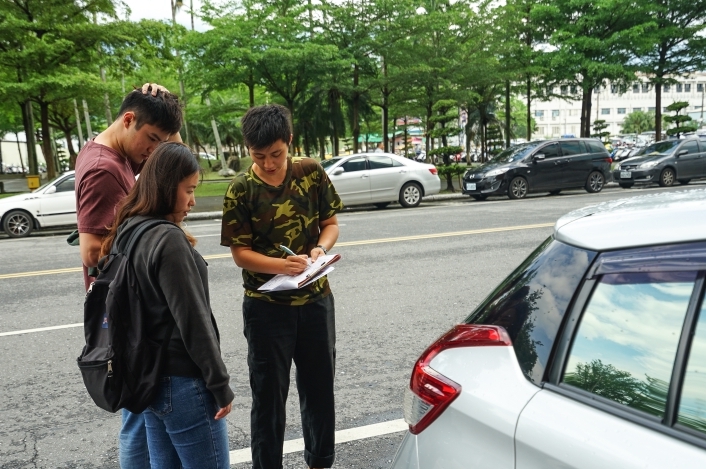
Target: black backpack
<point>120,365</point>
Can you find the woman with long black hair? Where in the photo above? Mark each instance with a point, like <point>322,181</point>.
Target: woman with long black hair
<point>185,423</point>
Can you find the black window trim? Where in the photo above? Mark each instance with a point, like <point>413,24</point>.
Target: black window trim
<point>558,359</point>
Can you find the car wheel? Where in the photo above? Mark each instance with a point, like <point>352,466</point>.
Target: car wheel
<point>518,188</point>
<point>410,195</point>
<point>667,177</point>
<point>555,192</point>
<point>684,182</point>
<point>480,197</point>
<point>382,204</point>
<point>18,224</point>
<point>624,185</point>
<point>595,182</point>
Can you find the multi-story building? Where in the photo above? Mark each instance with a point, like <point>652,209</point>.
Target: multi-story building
<point>562,116</point>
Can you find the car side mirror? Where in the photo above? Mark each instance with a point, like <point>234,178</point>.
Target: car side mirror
<point>682,152</point>
<point>50,190</point>
<point>538,157</point>
<point>338,171</point>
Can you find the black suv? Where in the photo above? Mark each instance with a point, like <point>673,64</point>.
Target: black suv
<point>541,166</point>
<point>664,162</point>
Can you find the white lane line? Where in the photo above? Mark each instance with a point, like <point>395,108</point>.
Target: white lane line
<point>41,329</point>
<point>207,236</point>
<point>342,436</point>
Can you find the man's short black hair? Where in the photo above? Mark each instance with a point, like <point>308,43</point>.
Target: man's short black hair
<point>163,111</point>
<point>264,125</point>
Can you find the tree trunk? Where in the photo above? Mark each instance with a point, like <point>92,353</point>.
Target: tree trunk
<point>251,89</point>
<point>385,110</point>
<point>28,123</point>
<point>19,151</point>
<point>658,112</point>
<point>2,168</point>
<point>529,107</point>
<point>356,108</point>
<point>70,148</point>
<point>46,140</point>
<point>507,114</point>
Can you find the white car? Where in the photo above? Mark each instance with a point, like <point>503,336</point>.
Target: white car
<point>592,354</point>
<point>381,178</point>
<point>53,204</point>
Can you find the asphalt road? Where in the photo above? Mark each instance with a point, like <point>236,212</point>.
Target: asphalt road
<point>407,275</point>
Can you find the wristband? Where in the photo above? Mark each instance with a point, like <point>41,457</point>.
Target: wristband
<point>322,248</point>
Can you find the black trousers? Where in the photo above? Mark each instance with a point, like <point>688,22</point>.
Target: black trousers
<point>276,335</point>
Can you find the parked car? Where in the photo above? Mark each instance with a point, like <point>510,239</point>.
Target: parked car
<point>665,163</point>
<point>381,178</point>
<point>53,204</point>
<point>589,355</point>
<point>541,166</point>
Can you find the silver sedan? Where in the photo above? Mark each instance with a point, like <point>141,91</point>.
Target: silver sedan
<point>381,178</point>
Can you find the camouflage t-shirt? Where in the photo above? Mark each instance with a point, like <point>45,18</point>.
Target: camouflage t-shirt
<point>262,216</point>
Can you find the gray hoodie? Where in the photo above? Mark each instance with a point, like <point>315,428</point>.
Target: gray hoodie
<point>173,279</point>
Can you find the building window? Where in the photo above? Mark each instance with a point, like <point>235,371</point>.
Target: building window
<point>621,110</point>
<point>573,89</point>
<point>645,87</point>
<point>564,89</point>
<point>556,130</point>
<point>679,87</point>
<point>555,113</point>
<point>573,129</point>
<point>613,89</point>
<point>635,88</point>
<point>700,87</point>
<point>665,88</point>
<point>605,111</point>
<point>687,88</point>
<point>538,113</point>
<point>540,130</point>
<point>664,109</point>
<point>637,109</point>
<point>651,109</point>
<point>597,89</point>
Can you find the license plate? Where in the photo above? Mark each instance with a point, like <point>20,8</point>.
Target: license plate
<point>625,175</point>
<point>470,186</point>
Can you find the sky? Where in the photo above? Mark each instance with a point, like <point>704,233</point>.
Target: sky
<point>161,10</point>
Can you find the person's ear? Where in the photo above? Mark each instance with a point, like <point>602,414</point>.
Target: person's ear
<point>128,118</point>
<point>291,137</point>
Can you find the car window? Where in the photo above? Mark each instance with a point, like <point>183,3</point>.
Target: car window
<point>515,153</point>
<point>665,146</point>
<point>67,185</point>
<point>691,147</point>
<point>626,342</point>
<point>595,147</point>
<point>355,164</point>
<point>531,302</point>
<point>575,147</point>
<point>692,406</point>
<point>550,151</point>
<point>327,164</point>
<point>378,162</point>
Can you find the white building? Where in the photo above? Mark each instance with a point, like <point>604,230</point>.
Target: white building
<point>560,117</point>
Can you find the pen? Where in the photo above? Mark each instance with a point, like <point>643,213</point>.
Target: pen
<point>287,250</point>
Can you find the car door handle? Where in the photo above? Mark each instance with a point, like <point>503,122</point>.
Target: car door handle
<point>364,176</point>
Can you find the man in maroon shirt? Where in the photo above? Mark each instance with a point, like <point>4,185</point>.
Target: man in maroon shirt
<point>106,169</point>
<point>107,166</point>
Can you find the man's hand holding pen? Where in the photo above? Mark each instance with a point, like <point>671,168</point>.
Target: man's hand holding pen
<point>294,264</point>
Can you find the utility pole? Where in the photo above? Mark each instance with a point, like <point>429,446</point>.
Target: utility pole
<point>175,5</point>
<point>78,125</point>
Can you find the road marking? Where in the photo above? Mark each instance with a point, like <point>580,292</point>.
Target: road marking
<point>343,436</point>
<point>41,329</point>
<point>344,244</point>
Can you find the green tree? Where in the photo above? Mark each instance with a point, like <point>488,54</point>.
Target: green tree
<point>606,381</point>
<point>682,123</point>
<point>677,45</point>
<point>638,121</point>
<point>599,130</point>
<point>594,41</point>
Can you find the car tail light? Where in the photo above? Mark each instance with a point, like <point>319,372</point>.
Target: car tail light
<point>608,160</point>
<point>430,392</point>
<point>433,171</point>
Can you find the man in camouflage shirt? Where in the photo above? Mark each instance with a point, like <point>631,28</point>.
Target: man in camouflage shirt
<point>287,201</point>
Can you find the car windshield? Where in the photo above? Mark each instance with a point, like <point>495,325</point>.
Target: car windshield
<point>328,164</point>
<point>515,153</point>
<point>665,147</point>
<point>44,186</point>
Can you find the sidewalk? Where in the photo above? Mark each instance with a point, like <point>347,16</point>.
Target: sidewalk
<point>211,207</point>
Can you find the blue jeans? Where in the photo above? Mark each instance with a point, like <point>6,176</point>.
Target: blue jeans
<point>133,452</point>
<point>181,429</point>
